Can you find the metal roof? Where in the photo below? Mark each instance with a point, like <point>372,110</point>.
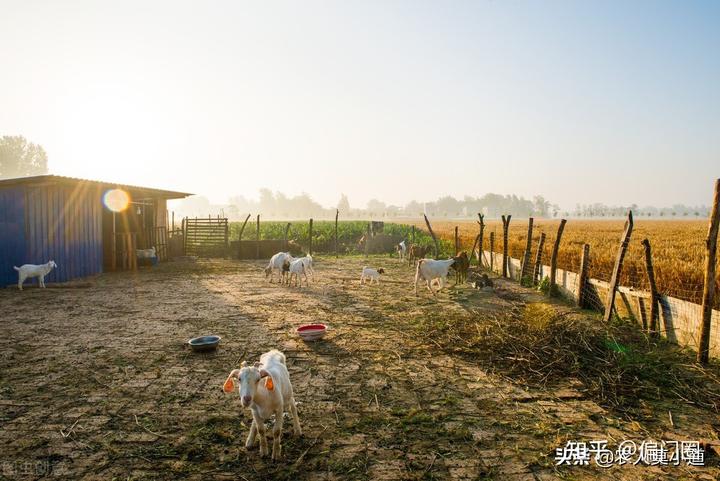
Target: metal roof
<point>59,179</point>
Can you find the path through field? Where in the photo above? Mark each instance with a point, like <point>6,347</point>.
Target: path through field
<point>97,383</point>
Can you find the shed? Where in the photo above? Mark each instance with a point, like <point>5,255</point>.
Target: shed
<point>50,217</point>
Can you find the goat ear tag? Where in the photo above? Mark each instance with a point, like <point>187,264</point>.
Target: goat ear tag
<point>269,384</point>
<point>229,385</point>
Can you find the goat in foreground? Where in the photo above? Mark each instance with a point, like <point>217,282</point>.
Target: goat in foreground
<point>430,270</point>
<point>371,274</point>
<point>265,389</point>
<point>32,270</point>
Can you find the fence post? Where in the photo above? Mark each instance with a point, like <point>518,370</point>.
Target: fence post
<point>412,233</point>
<point>492,251</point>
<point>287,229</point>
<point>184,230</point>
<point>709,288</point>
<point>506,226</point>
<point>538,258</point>
<point>310,236</point>
<point>367,240</point>
<point>437,247</point>
<point>553,258</point>
<point>528,250</point>
<point>480,238</point>
<point>257,238</point>
<point>337,213</point>
<point>242,229</point>
<point>615,279</point>
<point>457,242</point>
<point>584,261</point>
<point>654,312</point>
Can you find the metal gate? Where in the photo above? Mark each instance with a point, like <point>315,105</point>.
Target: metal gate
<point>206,237</point>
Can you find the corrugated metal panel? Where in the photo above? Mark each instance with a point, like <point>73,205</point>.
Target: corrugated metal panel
<point>13,242</point>
<point>59,226</point>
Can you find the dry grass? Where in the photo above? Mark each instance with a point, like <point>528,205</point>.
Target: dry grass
<point>678,248</point>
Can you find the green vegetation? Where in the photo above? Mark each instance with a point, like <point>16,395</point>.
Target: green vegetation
<point>349,234</point>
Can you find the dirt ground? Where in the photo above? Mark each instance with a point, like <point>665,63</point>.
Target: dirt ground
<point>97,382</point>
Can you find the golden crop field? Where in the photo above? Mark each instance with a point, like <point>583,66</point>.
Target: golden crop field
<point>678,248</point>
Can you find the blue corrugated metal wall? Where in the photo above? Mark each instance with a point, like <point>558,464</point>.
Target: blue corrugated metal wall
<point>58,223</point>
<point>12,232</point>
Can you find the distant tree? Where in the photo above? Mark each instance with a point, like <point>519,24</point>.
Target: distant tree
<point>20,158</point>
<point>343,204</point>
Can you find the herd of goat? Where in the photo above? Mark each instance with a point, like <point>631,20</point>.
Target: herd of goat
<point>431,271</point>
<point>265,388</point>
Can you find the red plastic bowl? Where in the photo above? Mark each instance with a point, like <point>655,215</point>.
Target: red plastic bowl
<point>312,332</point>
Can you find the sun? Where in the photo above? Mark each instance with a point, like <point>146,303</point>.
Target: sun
<point>117,200</point>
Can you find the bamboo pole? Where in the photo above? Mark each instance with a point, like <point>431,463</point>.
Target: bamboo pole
<point>654,312</point>
<point>709,288</point>
<point>617,269</point>
<point>553,258</point>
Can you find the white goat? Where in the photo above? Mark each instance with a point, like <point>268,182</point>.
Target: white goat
<point>308,263</point>
<point>401,249</point>
<point>371,274</point>
<point>295,268</point>
<point>273,396</point>
<point>32,270</point>
<point>430,270</point>
<point>146,253</point>
<point>276,265</point>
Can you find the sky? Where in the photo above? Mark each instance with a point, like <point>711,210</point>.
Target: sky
<point>606,101</point>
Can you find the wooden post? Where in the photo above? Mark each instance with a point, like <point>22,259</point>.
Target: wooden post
<point>337,213</point>
<point>457,241</point>
<point>506,226</point>
<point>617,270</point>
<point>553,258</point>
<point>437,247</point>
<point>584,261</point>
<point>492,251</point>
<point>173,220</point>
<point>285,237</point>
<point>538,259</point>
<point>243,227</point>
<point>654,311</point>
<point>472,251</point>
<point>709,288</point>
<point>641,312</point>
<point>412,235</point>
<point>367,240</point>
<point>310,236</point>
<point>525,266</point>
<point>184,230</point>
<point>257,238</point>
<point>480,237</point>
